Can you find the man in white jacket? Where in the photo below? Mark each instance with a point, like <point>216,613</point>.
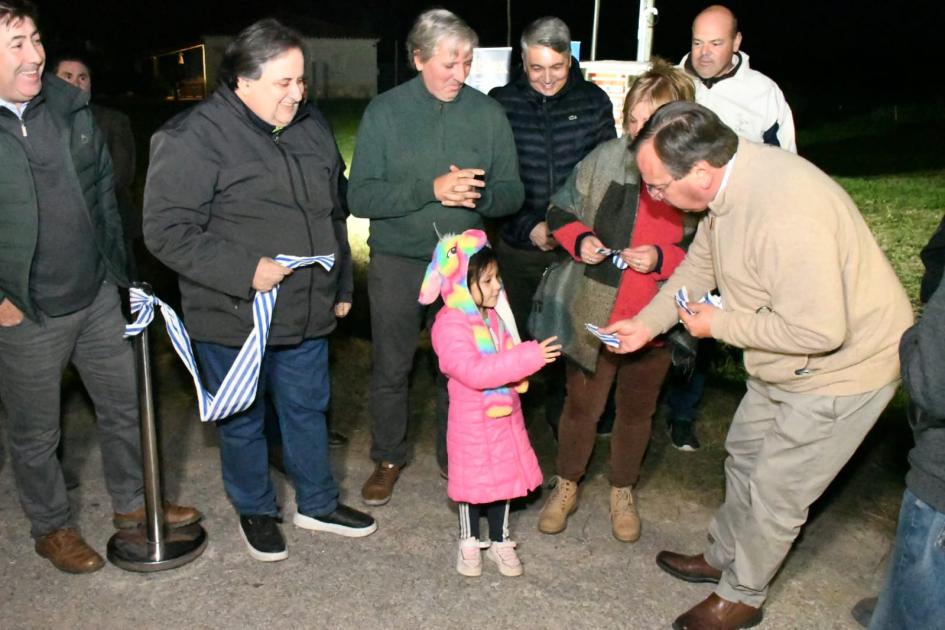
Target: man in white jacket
<point>746,100</point>
<point>753,106</point>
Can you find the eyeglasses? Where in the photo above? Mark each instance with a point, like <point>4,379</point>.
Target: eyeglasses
<point>658,191</point>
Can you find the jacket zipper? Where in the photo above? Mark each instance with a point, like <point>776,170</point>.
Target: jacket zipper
<point>548,147</point>
<point>308,228</point>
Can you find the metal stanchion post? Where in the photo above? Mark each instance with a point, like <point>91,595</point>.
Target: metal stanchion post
<point>153,547</point>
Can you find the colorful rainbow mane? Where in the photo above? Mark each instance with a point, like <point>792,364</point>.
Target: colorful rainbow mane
<point>446,277</point>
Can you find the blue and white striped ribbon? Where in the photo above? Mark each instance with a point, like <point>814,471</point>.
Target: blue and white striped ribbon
<point>608,338</point>
<point>615,258</point>
<point>238,389</point>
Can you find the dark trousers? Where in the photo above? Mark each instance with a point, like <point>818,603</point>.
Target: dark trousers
<point>497,516</point>
<point>297,381</point>
<point>521,271</point>
<point>685,389</point>
<point>396,320</point>
<point>32,359</point>
<point>639,377</point>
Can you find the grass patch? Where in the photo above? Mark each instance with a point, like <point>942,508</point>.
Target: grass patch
<point>902,211</point>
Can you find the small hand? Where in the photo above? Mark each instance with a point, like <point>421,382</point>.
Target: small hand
<point>589,250</point>
<point>342,309</point>
<point>268,274</point>
<point>641,259</point>
<point>550,349</point>
<point>699,324</point>
<point>459,187</point>
<point>632,335</point>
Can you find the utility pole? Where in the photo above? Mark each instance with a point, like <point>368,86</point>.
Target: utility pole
<point>647,19</point>
<point>594,32</point>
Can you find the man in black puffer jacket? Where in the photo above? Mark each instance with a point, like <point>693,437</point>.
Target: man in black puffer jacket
<point>558,118</point>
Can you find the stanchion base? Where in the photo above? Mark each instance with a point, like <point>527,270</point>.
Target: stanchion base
<point>129,549</point>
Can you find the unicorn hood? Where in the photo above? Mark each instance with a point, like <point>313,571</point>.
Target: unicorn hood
<point>447,274</point>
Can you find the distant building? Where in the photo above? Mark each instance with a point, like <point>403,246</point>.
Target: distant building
<point>342,64</point>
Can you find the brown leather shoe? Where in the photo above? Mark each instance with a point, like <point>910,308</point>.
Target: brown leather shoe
<point>380,485</point>
<point>68,552</point>
<point>715,613</point>
<point>688,568</point>
<point>174,516</point>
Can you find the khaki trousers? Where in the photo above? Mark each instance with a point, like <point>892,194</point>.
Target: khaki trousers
<point>784,450</point>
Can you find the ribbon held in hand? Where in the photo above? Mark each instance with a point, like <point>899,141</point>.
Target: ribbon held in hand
<point>238,389</point>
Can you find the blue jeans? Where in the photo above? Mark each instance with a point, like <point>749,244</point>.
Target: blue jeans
<point>912,595</point>
<point>297,381</point>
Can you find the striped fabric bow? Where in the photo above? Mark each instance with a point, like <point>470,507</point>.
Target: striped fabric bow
<point>238,389</point>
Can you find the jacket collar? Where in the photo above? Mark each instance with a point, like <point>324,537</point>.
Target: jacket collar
<point>64,98</point>
<point>244,112</point>
<point>738,60</point>
<point>419,90</point>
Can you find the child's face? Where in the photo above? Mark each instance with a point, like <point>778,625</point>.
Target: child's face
<point>485,291</point>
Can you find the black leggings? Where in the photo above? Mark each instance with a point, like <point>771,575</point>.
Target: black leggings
<point>497,515</point>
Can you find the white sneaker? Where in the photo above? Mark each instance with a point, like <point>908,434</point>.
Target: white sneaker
<point>503,554</point>
<point>468,558</point>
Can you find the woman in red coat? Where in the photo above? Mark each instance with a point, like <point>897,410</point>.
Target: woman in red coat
<point>627,243</point>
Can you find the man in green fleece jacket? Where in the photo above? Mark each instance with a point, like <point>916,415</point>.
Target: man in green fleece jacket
<point>61,261</point>
<point>809,295</point>
<point>433,156</point>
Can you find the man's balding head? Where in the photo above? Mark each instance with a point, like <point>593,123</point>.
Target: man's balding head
<point>715,39</point>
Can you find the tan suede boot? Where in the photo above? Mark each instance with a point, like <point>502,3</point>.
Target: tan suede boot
<point>559,506</point>
<point>624,519</point>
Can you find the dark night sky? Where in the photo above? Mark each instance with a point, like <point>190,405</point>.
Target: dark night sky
<point>865,50</point>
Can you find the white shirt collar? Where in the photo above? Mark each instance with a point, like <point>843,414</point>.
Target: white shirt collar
<point>728,173</point>
<point>17,109</point>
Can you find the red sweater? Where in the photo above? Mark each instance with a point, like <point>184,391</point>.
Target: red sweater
<point>657,224</point>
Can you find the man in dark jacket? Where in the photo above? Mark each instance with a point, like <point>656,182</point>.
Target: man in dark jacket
<point>912,594</point>
<point>116,128</point>
<point>251,173</point>
<point>557,117</point>
<point>61,257</point>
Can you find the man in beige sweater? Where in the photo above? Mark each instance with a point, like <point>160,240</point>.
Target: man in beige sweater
<point>812,300</point>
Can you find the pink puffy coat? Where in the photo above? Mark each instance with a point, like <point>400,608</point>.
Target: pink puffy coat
<point>490,459</point>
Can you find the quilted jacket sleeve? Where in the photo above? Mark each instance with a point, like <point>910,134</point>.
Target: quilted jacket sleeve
<point>460,359</point>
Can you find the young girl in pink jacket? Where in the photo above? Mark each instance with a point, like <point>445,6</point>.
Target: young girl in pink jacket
<point>479,350</point>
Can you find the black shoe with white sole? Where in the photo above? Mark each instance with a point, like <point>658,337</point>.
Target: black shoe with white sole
<point>683,435</point>
<point>263,538</point>
<point>344,521</point>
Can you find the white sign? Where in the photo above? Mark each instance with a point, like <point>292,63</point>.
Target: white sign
<point>490,68</point>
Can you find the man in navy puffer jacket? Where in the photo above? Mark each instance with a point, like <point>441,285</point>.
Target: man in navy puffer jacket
<point>558,118</point>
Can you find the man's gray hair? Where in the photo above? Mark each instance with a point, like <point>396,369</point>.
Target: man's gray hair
<point>684,133</point>
<point>253,47</point>
<point>433,26</point>
<point>547,31</point>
